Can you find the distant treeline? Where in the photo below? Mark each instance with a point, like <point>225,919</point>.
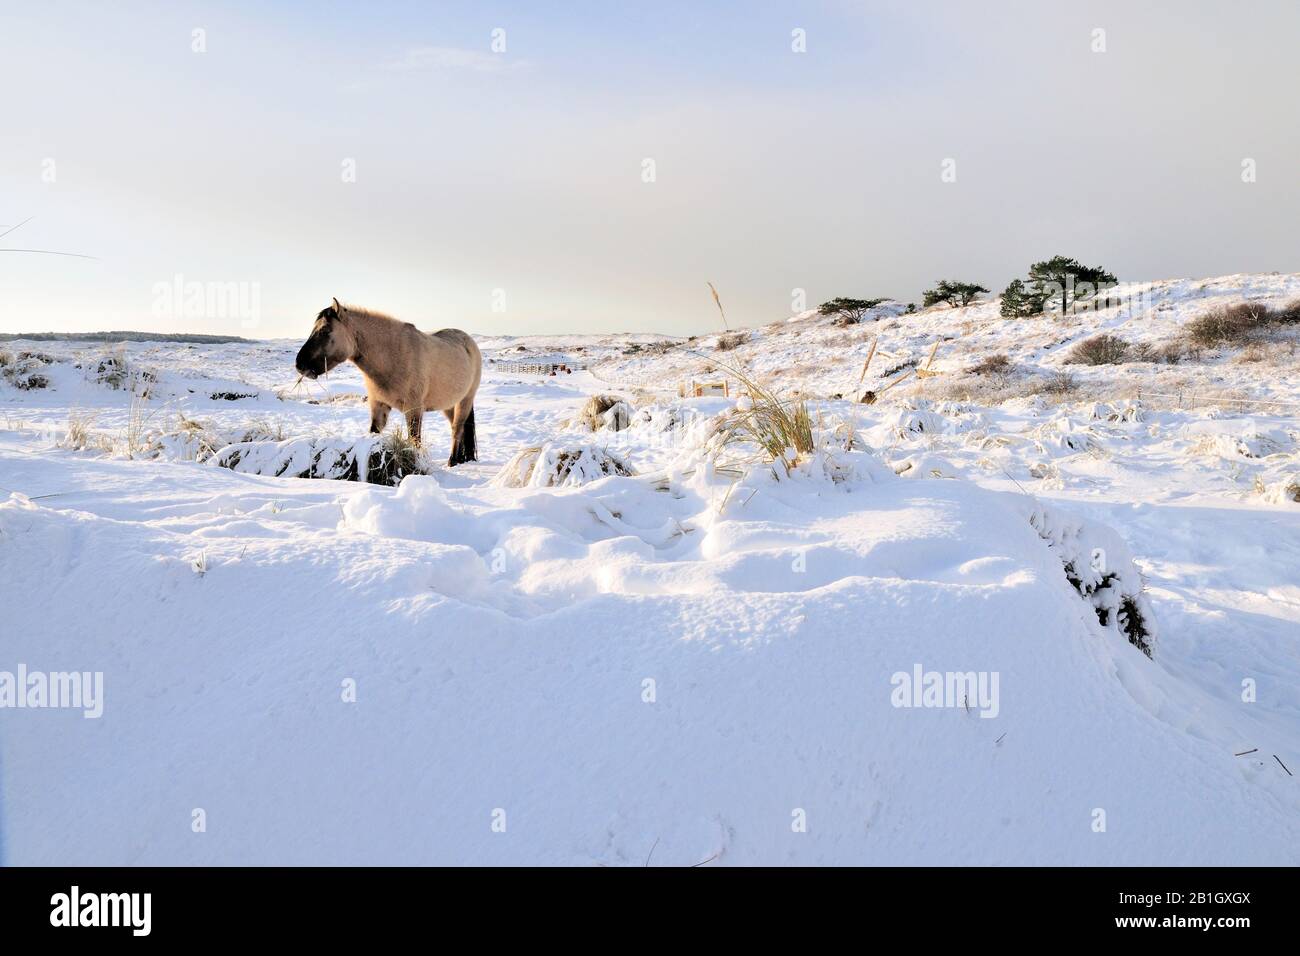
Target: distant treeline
<point>191,337</point>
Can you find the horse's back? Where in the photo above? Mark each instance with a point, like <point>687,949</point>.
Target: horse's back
<point>458,337</point>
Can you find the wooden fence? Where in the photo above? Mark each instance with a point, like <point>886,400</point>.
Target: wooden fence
<point>537,368</point>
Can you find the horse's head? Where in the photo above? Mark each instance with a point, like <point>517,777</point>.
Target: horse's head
<point>331,342</point>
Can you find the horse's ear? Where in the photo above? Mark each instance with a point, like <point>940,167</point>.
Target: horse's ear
<point>337,308</point>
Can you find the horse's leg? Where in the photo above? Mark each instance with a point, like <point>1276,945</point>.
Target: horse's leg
<point>378,416</point>
<point>454,458</point>
<point>464,444</point>
<point>414,419</point>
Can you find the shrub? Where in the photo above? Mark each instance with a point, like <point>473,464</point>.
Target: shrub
<point>731,340</point>
<point>999,364</point>
<point>112,370</point>
<point>1289,314</point>
<point>1171,353</point>
<point>30,382</point>
<point>1229,325</point>
<point>1099,350</point>
<point>1058,383</point>
<point>1254,352</point>
<point>21,371</point>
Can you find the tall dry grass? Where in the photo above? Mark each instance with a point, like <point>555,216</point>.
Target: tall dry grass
<point>781,430</point>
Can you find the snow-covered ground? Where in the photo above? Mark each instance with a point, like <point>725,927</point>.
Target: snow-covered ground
<point>700,662</point>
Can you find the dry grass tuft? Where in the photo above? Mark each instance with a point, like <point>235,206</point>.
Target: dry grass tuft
<point>783,431</point>
<point>394,457</point>
<point>81,435</point>
<point>1253,353</point>
<point>595,413</point>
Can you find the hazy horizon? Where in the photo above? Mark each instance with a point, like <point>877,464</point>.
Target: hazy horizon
<point>485,167</point>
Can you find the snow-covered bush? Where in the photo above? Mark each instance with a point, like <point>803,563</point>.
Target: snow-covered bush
<point>1098,565</point>
<point>1123,412</point>
<point>378,460</point>
<point>915,418</point>
<point>923,466</point>
<point>659,418</point>
<point>114,370</point>
<point>604,413</point>
<point>555,466</point>
<point>1064,435</point>
<point>25,371</point>
<point>188,440</point>
<point>1249,442</point>
<point>1286,490</point>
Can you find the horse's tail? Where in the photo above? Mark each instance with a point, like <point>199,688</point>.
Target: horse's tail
<point>466,448</point>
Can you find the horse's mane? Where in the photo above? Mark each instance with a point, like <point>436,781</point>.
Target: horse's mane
<point>361,313</point>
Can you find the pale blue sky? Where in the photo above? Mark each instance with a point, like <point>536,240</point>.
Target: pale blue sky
<point>522,171</point>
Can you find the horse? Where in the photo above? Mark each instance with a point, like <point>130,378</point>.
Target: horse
<point>403,368</point>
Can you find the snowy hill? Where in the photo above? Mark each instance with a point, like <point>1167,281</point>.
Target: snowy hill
<point>913,647</point>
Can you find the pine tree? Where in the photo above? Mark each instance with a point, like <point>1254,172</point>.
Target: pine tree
<point>1065,281</point>
<point>954,293</point>
<point>1018,303</point>
<point>849,311</point>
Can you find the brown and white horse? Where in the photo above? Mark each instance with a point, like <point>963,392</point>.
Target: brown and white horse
<point>403,368</point>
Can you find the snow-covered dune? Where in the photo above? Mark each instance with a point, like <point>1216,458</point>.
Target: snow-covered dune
<point>916,647</point>
<point>614,667</point>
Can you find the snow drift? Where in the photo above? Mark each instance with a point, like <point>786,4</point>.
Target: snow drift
<point>577,675</point>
